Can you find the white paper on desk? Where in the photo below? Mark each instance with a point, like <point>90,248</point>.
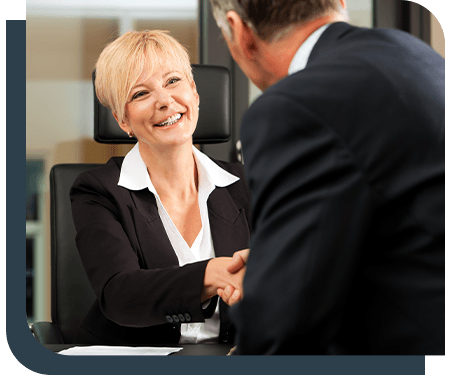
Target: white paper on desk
<point>118,350</point>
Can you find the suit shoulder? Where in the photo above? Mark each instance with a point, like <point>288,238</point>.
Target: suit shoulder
<point>104,175</point>
<point>111,167</point>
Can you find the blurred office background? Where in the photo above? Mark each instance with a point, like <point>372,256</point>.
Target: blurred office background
<point>64,39</point>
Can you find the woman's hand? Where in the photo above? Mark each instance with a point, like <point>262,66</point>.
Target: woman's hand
<point>217,277</point>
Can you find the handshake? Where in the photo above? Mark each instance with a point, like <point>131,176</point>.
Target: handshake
<point>224,277</point>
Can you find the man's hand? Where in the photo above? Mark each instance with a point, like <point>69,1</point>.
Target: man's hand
<point>229,294</point>
<point>218,277</point>
<point>239,260</point>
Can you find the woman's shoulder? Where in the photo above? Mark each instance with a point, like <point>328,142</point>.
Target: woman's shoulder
<point>103,174</point>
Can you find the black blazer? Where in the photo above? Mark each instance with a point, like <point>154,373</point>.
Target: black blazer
<point>345,164</point>
<point>142,293</point>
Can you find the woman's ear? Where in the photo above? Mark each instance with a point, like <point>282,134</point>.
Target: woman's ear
<point>194,89</point>
<point>123,124</point>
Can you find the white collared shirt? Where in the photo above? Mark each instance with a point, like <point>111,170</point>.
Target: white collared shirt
<point>302,55</point>
<point>134,176</point>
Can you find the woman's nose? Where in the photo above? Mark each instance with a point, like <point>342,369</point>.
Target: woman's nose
<point>163,99</point>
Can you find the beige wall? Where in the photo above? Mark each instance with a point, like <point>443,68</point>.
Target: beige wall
<point>67,48</point>
<point>437,36</point>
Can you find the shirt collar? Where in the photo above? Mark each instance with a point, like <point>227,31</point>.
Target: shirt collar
<point>302,55</point>
<point>217,175</point>
<point>134,175</point>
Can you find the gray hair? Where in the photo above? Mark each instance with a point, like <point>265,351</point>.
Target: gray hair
<point>271,19</point>
<point>220,9</point>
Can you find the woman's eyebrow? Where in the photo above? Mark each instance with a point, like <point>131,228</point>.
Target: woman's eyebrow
<point>168,73</point>
<point>136,86</point>
<point>142,83</point>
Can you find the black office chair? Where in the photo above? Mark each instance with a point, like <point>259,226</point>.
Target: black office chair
<point>71,292</point>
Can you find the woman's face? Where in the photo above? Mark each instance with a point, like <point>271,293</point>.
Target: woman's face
<point>162,110</point>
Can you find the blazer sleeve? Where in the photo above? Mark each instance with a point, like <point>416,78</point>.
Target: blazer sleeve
<point>128,294</point>
<point>310,210</point>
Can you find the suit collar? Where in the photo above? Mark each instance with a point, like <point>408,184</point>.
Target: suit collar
<point>223,214</point>
<point>145,202</point>
<point>219,202</point>
<point>227,222</point>
<point>302,55</point>
<point>328,39</point>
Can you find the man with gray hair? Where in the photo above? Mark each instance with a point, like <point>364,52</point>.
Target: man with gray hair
<point>344,155</point>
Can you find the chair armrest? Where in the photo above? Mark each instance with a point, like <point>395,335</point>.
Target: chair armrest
<point>47,333</point>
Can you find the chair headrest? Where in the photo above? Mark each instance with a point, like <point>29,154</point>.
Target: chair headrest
<point>214,123</point>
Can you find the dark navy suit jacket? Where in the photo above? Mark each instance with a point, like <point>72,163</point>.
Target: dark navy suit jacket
<point>345,164</point>
<point>132,267</point>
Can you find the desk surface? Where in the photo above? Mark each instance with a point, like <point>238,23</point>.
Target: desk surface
<point>195,349</point>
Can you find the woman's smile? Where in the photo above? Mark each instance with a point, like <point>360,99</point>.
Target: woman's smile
<point>170,121</point>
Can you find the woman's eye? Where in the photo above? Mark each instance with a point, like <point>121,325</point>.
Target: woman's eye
<point>173,80</point>
<point>138,94</point>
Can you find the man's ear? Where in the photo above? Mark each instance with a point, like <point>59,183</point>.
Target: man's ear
<point>243,35</point>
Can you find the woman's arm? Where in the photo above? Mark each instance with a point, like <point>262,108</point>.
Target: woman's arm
<point>129,294</point>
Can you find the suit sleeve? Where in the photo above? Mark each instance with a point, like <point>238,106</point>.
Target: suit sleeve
<point>128,294</point>
<point>310,210</point>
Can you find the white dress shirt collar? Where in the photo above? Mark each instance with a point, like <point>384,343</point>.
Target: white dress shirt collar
<point>302,55</point>
<point>134,175</point>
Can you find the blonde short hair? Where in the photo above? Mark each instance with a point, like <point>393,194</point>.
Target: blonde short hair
<point>122,62</point>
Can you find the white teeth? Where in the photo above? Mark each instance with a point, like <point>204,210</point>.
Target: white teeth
<point>171,120</point>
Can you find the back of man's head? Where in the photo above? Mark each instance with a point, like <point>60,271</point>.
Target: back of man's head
<point>270,19</point>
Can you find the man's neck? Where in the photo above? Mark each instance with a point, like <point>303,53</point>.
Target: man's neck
<point>276,56</point>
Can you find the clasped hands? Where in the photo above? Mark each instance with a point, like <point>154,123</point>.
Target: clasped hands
<point>224,277</point>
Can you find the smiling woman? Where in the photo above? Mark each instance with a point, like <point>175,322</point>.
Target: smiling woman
<point>64,41</point>
<point>155,87</point>
<point>136,55</point>
<point>156,230</point>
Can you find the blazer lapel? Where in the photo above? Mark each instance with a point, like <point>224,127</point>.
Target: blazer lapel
<point>145,202</point>
<point>229,227</point>
<point>155,247</point>
<point>230,233</point>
